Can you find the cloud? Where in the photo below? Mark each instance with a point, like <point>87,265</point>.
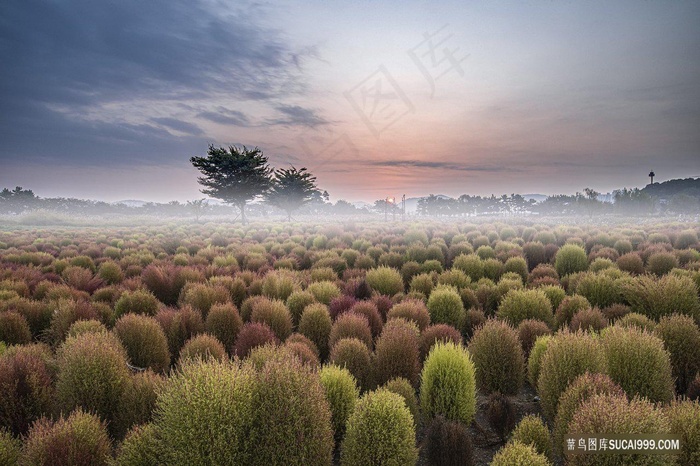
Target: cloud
<point>452,166</point>
<point>179,125</point>
<point>69,64</point>
<point>294,115</point>
<point>225,116</point>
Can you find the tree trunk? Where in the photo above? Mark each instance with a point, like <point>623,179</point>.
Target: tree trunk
<point>243,219</point>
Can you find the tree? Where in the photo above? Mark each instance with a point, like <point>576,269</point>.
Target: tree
<point>198,207</point>
<point>235,175</point>
<point>291,189</point>
<point>18,200</point>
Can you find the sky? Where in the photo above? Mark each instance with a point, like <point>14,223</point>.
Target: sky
<point>108,100</point>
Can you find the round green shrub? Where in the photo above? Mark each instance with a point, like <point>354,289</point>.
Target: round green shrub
<point>681,337</point>
<point>145,342</point>
<point>26,386</point>
<point>224,322</point>
<point>448,443</point>
<point>397,352</point>
<point>324,291</point>
<point>519,454</point>
<point>141,447</point>
<point>591,320</point>
<point>639,321</point>
<point>86,326</point>
<point>14,329</point>
<point>498,359</point>
<point>110,272</point>
<point>445,307</point>
<point>276,315</point>
<point>279,284</point>
<point>423,283</point>
<point>600,289</point>
<point>471,264</point>
<point>380,431</point>
<point>684,417</point>
<point>519,305</point>
<point>81,440</point>
<point>568,308</point>
<point>204,413</point>
<point>351,325</point>
<point>296,302</point>
<point>402,386</point>
<point>353,355</point>
<point>202,346</point>
<point>570,259</point>
<point>517,265</point>
<point>448,385</point>
<point>10,449</point>
<point>92,374</point>
<point>455,278</point>
<point>252,335</point>
<point>136,302</point>
<point>621,416</point>
<point>316,325</point>
<point>385,280</point>
<point>137,401</point>
<point>342,395</point>
<point>202,297</point>
<point>275,433</point>
<point>582,388</point>
<point>531,430</point>
<point>661,263</point>
<point>554,293</point>
<point>669,294</point>
<point>413,310</point>
<point>567,356</point>
<point>637,361</point>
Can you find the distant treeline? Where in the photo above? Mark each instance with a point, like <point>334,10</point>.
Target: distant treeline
<point>674,197</point>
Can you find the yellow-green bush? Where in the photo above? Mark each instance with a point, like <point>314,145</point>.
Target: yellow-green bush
<point>519,454</point>
<point>385,280</point>
<point>519,305</point>
<point>681,337</point>
<point>567,356</point>
<point>445,307</point>
<point>380,431</point>
<point>684,417</point>
<point>342,394</point>
<point>145,342</point>
<point>531,430</point>
<point>638,361</point>
<point>448,384</point>
<point>498,358</point>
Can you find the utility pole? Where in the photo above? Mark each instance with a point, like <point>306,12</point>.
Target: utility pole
<point>403,208</point>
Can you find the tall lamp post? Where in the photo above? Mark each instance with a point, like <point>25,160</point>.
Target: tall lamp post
<point>390,200</point>
<point>403,208</point>
<point>652,175</point>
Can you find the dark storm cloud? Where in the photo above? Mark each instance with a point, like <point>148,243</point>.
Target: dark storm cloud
<point>62,62</point>
<point>294,115</point>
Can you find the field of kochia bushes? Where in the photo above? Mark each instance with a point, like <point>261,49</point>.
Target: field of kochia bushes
<point>357,345</point>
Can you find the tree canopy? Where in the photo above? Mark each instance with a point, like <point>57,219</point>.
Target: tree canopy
<point>291,189</point>
<point>235,175</point>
